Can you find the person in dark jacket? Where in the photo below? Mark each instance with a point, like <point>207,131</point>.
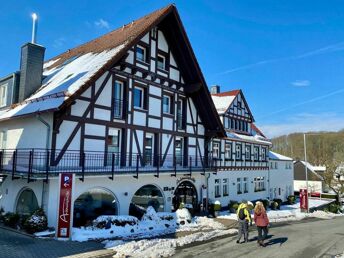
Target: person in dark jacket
<point>262,221</point>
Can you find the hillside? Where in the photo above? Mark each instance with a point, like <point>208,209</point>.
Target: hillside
<point>321,146</point>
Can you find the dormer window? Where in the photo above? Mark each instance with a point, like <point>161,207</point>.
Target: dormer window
<point>141,53</point>
<point>161,62</point>
<point>3,95</point>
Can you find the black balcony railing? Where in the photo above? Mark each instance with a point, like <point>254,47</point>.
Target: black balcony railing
<point>34,163</point>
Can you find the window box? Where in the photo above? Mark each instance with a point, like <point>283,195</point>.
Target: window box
<point>239,192</point>
<point>217,196</point>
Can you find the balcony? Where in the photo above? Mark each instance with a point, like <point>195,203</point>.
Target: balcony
<point>40,163</point>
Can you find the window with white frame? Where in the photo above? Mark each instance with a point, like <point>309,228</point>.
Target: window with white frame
<point>245,184</point>
<point>141,53</point>
<point>3,139</point>
<point>166,104</point>
<point>225,187</point>
<point>228,150</point>
<point>259,184</point>
<point>238,152</point>
<point>216,150</point>
<point>239,186</point>
<point>256,153</point>
<point>161,62</point>
<point>217,188</point>
<point>139,97</point>
<point>248,152</point>
<point>3,95</point>
<point>113,145</point>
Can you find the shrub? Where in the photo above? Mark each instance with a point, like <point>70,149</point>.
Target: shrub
<point>328,196</point>
<point>217,206</point>
<point>291,199</point>
<point>235,206</point>
<point>279,202</point>
<point>231,205</point>
<point>36,222</point>
<point>274,205</point>
<point>334,208</point>
<point>105,221</point>
<point>265,202</point>
<point>181,205</point>
<point>11,219</point>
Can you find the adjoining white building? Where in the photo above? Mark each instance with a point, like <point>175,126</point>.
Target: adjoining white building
<point>281,176</point>
<point>128,121</point>
<point>316,183</point>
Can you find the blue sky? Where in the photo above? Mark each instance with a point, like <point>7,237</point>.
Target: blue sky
<point>287,56</point>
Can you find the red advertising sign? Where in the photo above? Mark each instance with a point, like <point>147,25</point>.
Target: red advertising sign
<point>64,215</point>
<point>303,199</point>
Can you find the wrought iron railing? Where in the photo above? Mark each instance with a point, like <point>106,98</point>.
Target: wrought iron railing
<point>32,163</point>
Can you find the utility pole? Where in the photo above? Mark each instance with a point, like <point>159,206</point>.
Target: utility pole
<point>305,149</point>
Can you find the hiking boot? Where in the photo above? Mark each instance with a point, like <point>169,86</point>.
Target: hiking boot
<point>238,241</point>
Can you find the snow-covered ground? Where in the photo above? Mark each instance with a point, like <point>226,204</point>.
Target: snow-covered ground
<point>292,212</point>
<point>151,225</point>
<point>161,247</point>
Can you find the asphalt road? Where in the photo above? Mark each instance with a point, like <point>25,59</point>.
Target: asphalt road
<point>313,238</point>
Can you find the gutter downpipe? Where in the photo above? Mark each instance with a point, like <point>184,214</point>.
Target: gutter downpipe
<point>39,118</point>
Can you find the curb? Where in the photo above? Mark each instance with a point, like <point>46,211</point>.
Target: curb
<point>17,231</point>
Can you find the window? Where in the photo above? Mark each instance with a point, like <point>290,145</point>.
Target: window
<point>248,153</point>
<point>238,152</point>
<point>3,95</point>
<point>3,139</point>
<point>139,97</point>
<point>225,187</point>
<point>245,184</point>
<point>179,151</point>
<point>148,150</point>
<point>228,150</point>
<point>113,145</point>
<point>118,99</point>
<point>161,62</point>
<point>271,165</point>
<point>180,114</point>
<point>256,153</point>
<point>263,154</point>
<point>166,104</point>
<point>217,188</point>
<point>26,202</point>
<point>141,53</point>
<point>239,186</point>
<point>216,150</point>
<point>259,184</point>
<point>276,166</point>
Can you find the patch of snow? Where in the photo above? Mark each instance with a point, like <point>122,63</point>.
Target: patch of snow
<point>292,212</point>
<point>277,156</point>
<point>44,233</point>
<point>222,103</point>
<point>161,247</point>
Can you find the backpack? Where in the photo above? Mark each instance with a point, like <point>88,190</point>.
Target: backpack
<point>241,214</point>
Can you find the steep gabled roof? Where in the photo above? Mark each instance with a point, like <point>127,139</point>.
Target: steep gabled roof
<point>277,156</point>
<point>74,70</point>
<point>224,100</point>
<point>257,130</point>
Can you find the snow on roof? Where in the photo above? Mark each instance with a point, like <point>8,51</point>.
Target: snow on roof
<point>277,156</point>
<point>255,139</point>
<point>61,82</point>
<point>223,100</point>
<point>311,167</point>
<point>68,72</point>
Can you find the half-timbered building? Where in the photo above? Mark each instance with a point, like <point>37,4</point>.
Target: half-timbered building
<point>130,117</point>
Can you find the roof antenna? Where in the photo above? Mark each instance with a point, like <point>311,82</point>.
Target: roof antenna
<point>34,28</point>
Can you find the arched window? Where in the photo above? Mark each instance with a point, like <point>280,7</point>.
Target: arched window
<point>26,202</point>
<point>92,204</point>
<point>148,195</point>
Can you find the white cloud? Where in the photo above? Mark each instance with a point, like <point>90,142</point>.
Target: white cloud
<point>301,83</point>
<point>305,122</point>
<point>102,24</point>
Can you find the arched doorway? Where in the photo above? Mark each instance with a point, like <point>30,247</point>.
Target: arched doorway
<point>92,204</point>
<point>186,193</point>
<point>147,195</point>
<point>27,202</point>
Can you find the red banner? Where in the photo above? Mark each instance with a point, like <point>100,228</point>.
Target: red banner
<point>303,199</point>
<point>65,203</point>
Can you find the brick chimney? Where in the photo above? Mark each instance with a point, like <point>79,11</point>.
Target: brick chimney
<point>215,89</point>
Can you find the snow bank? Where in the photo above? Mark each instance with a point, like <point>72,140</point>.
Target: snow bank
<point>152,224</point>
<point>161,247</point>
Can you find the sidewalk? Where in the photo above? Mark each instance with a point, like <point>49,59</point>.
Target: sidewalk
<point>16,245</point>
